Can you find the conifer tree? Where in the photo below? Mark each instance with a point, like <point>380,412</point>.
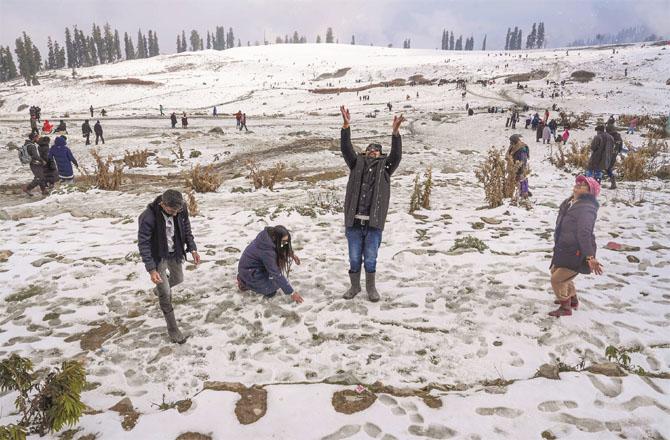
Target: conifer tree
<point>117,45</point>
<point>484,43</point>
<point>329,35</point>
<point>530,41</point>
<point>451,41</point>
<point>509,33</point>
<point>51,58</point>
<point>130,50</point>
<point>318,38</point>
<point>540,36</point>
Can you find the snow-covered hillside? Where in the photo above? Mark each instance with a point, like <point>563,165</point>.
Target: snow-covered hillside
<point>453,348</point>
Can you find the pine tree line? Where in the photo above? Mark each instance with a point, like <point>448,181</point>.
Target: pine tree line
<point>217,40</point>
<point>534,40</point>
<point>449,43</point>
<point>295,39</point>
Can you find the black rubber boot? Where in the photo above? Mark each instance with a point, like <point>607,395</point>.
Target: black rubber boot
<point>355,288</point>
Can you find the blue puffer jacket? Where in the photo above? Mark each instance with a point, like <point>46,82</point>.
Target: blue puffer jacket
<point>573,238</point>
<point>258,268</point>
<point>63,156</point>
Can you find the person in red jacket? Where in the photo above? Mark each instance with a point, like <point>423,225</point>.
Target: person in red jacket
<point>238,118</point>
<point>47,127</point>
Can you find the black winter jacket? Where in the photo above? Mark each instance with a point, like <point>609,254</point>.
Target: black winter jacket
<point>380,193</point>
<point>151,238</point>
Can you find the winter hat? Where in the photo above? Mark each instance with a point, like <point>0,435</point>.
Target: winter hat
<point>594,186</point>
<point>375,147</point>
<point>515,138</point>
<point>59,142</point>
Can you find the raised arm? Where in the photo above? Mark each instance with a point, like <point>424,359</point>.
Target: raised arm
<point>396,146</point>
<point>345,139</point>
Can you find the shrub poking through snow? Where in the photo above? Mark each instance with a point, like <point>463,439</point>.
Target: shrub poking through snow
<point>574,121</point>
<point>498,175</point>
<point>649,160</point>
<point>179,152</point>
<point>194,154</point>
<point>265,178</point>
<point>655,124</point>
<point>192,204</point>
<point>469,242</point>
<point>47,405</point>
<point>107,174</point>
<point>136,159</point>
<point>421,194</point>
<point>204,179</point>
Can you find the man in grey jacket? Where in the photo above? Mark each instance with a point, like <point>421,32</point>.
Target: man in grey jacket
<point>366,203</point>
<point>163,238</point>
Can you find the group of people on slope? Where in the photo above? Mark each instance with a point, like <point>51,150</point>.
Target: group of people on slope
<point>48,163</point>
<point>165,236</point>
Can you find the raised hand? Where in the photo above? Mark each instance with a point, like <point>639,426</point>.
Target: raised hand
<point>345,116</point>
<point>397,120</point>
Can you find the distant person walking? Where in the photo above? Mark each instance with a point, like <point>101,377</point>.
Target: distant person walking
<point>91,110</point>
<point>184,121</point>
<point>97,128</point>
<point>632,126</point>
<point>598,160</point>
<point>214,113</point>
<point>29,154</point>
<point>161,109</point>
<point>520,153</point>
<point>173,119</point>
<point>243,122</point>
<point>238,118</point>
<point>86,131</point>
<point>574,243</point>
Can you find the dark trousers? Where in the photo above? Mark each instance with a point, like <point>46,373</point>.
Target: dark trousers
<point>38,177</point>
<point>364,242</point>
<point>88,140</point>
<point>99,136</point>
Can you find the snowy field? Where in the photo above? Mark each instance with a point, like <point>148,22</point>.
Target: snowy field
<point>453,348</point>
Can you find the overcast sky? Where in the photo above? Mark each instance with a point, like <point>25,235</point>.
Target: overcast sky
<point>373,21</point>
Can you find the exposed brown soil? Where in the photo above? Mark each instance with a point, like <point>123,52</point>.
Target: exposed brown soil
<point>349,401</point>
<point>128,81</point>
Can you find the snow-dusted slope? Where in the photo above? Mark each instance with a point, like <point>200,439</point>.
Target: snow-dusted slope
<point>461,335</point>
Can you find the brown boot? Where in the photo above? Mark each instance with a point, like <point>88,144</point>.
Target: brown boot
<point>563,310</point>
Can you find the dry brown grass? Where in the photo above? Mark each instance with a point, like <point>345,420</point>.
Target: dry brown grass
<point>136,159</point>
<point>498,175</point>
<point>421,193</point>
<point>574,121</point>
<point>655,124</point>
<point>265,178</point>
<point>107,174</point>
<point>192,204</point>
<point>578,155</point>
<point>203,179</point>
<point>644,162</point>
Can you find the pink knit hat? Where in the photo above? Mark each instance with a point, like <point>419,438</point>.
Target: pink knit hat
<point>594,186</point>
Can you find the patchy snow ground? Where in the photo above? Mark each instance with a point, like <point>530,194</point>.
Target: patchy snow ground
<point>452,349</point>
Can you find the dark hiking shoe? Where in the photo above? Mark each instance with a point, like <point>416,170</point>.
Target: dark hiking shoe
<point>370,287</point>
<point>563,310</point>
<point>355,279</point>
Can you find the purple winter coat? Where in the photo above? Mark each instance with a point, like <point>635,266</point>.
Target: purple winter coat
<point>258,268</point>
<point>573,238</point>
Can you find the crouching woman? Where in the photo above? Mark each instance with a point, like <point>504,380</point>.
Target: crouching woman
<point>266,263</point>
<point>574,243</point>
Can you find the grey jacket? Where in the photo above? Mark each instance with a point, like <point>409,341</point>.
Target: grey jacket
<point>573,238</point>
<point>382,185</point>
<point>601,146</point>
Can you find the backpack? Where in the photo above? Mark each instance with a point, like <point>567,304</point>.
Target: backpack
<point>24,156</point>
